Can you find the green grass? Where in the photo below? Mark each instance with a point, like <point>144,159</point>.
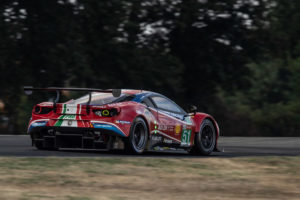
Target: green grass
<point>149,178</point>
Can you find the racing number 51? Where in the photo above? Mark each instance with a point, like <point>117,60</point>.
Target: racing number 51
<point>186,136</point>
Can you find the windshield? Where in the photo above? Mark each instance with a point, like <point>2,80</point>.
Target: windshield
<point>99,98</point>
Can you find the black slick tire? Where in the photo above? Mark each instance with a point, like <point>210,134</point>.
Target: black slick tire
<point>39,145</point>
<point>137,140</point>
<point>205,140</point>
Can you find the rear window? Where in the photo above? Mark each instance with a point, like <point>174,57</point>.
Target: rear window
<point>99,98</point>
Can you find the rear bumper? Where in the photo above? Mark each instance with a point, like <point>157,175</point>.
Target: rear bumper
<point>53,137</point>
<point>70,137</point>
<point>69,141</point>
<point>102,127</point>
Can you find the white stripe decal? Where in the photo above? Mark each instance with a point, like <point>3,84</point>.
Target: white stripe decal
<point>181,121</point>
<point>79,112</point>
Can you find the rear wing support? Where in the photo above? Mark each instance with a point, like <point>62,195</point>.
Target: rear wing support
<point>115,92</point>
<point>56,100</point>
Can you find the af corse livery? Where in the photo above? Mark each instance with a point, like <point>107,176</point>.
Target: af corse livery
<point>135,120</point>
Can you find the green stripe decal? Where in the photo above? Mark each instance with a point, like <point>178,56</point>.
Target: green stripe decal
<point>64,116</point>
<point>65,108</point>
<point>59,121</point>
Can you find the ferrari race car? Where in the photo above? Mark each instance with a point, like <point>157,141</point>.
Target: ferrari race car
<point>133,120</point>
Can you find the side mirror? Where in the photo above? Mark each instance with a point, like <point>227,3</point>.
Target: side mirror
<point>28,90</point>
<point>193,109</point>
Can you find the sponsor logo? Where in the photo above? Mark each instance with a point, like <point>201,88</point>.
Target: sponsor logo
<point>66,120</point>
<point>122,122</point>
<point>69,109</point>
<point>162,127</point>
<point>168,141</point>
<point>188,120</point>
<point>103,126</point>
<point>177,129</point>
<point>69,117</point>
<point>39,124</point>
<point>156,138</point>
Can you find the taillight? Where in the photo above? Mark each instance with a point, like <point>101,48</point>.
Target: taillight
<point>37,110</point>
<point>106,112</point>
<point>42,110</point>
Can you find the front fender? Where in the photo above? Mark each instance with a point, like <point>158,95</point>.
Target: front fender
<point>198,119</point>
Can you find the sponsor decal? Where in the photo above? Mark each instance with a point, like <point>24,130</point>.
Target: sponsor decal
<point>186,136</point>
<point>177,129</point>
<point>168,141</point>
<point>39,124</point>
<point>162,127</point>
<point>156,148</point>
<point>68,117</point>
<point>156,138</point>
<point>188,120</point>
<point>103,126</point>
<point>69,109</point>
<point>147,113</point>
<point>122,122</point>
<point>165,135</point>
<point>36,124</point>
<point>70,122</point>
<point>66,120</point>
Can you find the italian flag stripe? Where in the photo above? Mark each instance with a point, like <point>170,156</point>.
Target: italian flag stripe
<point>67,116</point>
<point>59,121</point>
<point>64,109</point>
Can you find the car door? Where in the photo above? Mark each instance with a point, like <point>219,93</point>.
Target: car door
<point>150,111</point>
<point>171,122</point>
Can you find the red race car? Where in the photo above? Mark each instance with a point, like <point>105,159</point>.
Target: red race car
<point>135,120</point>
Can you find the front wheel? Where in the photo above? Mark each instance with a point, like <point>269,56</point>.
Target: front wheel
<point>205,140</point>
<point>137,140</point>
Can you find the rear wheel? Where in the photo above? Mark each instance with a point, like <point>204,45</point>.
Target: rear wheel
<point>39,145</point>
<point>205,140</point>
<point>137,140</point>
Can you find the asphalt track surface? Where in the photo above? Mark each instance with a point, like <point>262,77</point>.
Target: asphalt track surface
<point>20,146</point>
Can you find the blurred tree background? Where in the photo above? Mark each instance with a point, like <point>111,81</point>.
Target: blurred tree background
<point>238,60</point>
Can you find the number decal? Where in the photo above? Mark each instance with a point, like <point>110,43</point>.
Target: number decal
<point>186,137</point>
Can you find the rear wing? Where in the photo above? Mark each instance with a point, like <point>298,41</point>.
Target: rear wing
<point>29,90</point>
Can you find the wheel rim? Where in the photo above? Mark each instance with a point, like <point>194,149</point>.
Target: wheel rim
<point>139,136</point>
<point>207,137</point>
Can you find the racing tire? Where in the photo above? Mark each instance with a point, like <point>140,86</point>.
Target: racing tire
<point>137,140</point>
<point>205,140</point>
<point>39,146</point>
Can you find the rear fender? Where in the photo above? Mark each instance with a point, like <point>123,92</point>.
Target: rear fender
<point>133,110</point>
